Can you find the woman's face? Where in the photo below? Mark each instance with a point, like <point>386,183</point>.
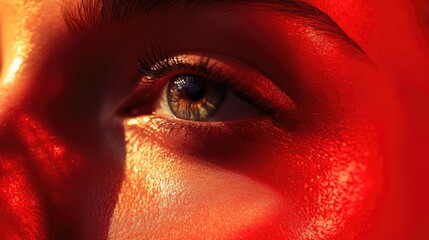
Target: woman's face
<point>212,119</point>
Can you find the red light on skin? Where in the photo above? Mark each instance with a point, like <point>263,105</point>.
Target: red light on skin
<point>21,211</point>
<point>48,188</point>
<point>50,170</point>
<point>50,155</point>
<point>55,166</point>
<point>60,167</point>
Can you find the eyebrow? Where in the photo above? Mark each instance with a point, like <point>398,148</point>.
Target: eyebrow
<point>88,15</point>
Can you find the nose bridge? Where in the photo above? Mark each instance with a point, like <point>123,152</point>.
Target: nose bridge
<point>15,48</point>
<point>28,28</point>
<point>27,148</point>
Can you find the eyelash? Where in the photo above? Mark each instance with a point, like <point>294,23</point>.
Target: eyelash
<point>156,64</point>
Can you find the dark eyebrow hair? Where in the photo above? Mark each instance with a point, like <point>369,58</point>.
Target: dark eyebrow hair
<point>88,15</point>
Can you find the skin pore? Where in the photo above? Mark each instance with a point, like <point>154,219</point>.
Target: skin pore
<point>328,146</point>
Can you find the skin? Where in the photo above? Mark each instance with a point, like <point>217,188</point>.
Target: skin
<point>345,160</point>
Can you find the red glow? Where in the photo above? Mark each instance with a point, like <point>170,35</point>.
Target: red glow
<point>345,157</point>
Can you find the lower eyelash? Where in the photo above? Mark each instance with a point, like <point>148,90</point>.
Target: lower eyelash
<point>185,129</point>
<point>174,133</point>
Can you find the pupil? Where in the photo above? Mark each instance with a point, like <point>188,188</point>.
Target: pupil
<point>193,87</point>
<point>195,94</point>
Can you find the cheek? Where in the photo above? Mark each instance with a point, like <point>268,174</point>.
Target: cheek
<point>328,179</point>
<point>167,195</point>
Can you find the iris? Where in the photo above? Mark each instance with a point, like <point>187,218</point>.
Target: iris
<point>191,97</point>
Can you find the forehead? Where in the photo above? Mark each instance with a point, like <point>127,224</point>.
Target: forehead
<point>52,7</point>
<point>363,21</point>
<point>349,13</point>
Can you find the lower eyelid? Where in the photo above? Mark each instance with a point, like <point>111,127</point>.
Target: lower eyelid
<point>197,136</point>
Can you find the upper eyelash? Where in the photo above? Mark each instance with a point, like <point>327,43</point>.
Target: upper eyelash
<point>156,64</point>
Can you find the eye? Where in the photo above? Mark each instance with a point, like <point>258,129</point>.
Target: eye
<point>204,88</point>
